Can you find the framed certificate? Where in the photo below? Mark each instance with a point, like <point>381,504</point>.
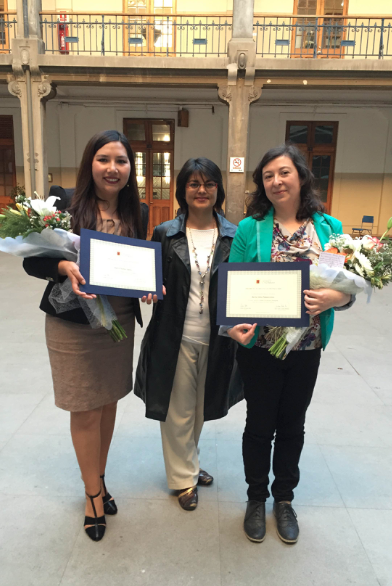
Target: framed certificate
<point>117,265</point>
<point>265,293</point>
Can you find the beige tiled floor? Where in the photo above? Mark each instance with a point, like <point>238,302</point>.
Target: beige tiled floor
<point>343,502</point>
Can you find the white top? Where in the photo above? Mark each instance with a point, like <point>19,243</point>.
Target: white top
<point>197,325</point>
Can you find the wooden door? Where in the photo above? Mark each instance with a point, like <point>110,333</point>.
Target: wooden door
<point>325,41</point>
<point>317,141</point>
<point>152,142</point>
<point>7,160</point>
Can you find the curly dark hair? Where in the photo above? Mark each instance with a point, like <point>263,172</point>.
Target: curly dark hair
<point>209,171</point>
<point>258,204</point>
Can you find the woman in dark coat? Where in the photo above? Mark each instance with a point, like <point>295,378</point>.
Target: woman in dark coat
<point>187,373</point>
<point>90,373</point>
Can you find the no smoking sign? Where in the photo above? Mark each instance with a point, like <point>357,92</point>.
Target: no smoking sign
<point>237,164</point>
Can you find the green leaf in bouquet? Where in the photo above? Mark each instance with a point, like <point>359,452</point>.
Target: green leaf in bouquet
<point>13,223</point>
<point>389,226</point>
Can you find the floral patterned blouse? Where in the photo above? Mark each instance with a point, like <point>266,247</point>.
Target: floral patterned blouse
<point>286,247</point>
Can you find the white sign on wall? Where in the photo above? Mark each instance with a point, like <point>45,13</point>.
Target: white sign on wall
<point>237,164</point>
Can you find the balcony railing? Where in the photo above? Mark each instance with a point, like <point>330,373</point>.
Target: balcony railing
<point>136,35</point>
<point>176,35</point>
<point>7,30</point>
<point>328,37</point>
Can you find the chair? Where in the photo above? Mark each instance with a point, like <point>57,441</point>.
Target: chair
<point>366,226</point>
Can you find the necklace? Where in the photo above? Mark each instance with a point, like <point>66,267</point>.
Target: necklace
<point>202,276</point>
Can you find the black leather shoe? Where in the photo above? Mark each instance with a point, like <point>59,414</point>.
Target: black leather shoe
<point>254,522</point>
<point>96,526</point>
<point>205,479</point>
<point>109,506</point>
<point>188,498</point>
<point>286,520</point>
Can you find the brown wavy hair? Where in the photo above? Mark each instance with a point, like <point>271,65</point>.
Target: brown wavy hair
<point>258,203</point>
<point>84,205</point>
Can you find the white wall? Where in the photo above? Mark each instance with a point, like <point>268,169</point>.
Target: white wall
<point>69,127</point>
<point>363,155</point>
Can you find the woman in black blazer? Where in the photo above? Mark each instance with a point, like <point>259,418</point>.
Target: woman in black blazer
<point>91,373</point>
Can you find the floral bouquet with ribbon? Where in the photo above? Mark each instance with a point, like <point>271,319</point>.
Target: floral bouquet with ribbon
<point>37,228</point>
<point>367,265</point>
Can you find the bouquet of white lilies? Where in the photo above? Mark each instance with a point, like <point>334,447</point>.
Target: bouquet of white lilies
<point>37,228</point>
<point>367,265</point>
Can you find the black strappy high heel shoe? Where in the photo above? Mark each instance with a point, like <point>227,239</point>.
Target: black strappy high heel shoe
<point>109,506</point>
<point>98,524</point>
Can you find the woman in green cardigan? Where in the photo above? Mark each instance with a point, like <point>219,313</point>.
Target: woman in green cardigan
<point>285,222</point>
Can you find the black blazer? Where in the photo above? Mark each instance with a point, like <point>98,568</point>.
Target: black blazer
<point>47,268</point>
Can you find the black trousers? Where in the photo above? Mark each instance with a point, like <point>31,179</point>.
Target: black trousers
<point>278,394</point>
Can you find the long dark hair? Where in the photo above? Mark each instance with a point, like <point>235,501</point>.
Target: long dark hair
<point>84,205</point>
<point>208,171</point>
<point>258,204</point>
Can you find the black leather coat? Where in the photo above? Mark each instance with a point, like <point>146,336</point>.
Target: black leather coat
<point>162,340</point>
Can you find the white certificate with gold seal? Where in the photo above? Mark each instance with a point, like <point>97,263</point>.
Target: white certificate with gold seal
<point>263,293</point>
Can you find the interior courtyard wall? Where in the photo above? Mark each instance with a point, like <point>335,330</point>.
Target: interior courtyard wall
<point>97,6</point>
<point>363,166</point>
<point>378,7</point>
<point>279,7</point>
<point>204,6</point>
<point>69,127</point>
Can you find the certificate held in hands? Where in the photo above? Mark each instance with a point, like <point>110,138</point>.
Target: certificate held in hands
<point>265,293</point>
<point>117,265</point>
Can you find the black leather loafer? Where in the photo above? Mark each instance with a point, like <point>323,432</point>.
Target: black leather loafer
<point>286,521</point>
<point>254,522</point>
<point>205,479</point>
<point>188,498</point>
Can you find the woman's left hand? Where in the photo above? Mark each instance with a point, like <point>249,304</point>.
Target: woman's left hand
<point>318,300</point>
<point>150,298</point>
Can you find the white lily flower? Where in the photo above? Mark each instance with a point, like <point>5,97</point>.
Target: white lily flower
<point>44,208</point>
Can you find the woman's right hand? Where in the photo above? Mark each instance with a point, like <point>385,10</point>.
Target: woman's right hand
<point>70,269</point>
<point>242,333</point>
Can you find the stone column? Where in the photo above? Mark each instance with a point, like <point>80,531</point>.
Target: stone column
<point>33,90</point>
<point>20,30</point>
<point>34,7</point>
<point>17,87</point>
<point>41,92</point>
<point>239,93</point>
<point>243,19</point>
<point>238,97</point>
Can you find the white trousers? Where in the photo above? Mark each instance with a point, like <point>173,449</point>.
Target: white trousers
<point>185,417</point>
